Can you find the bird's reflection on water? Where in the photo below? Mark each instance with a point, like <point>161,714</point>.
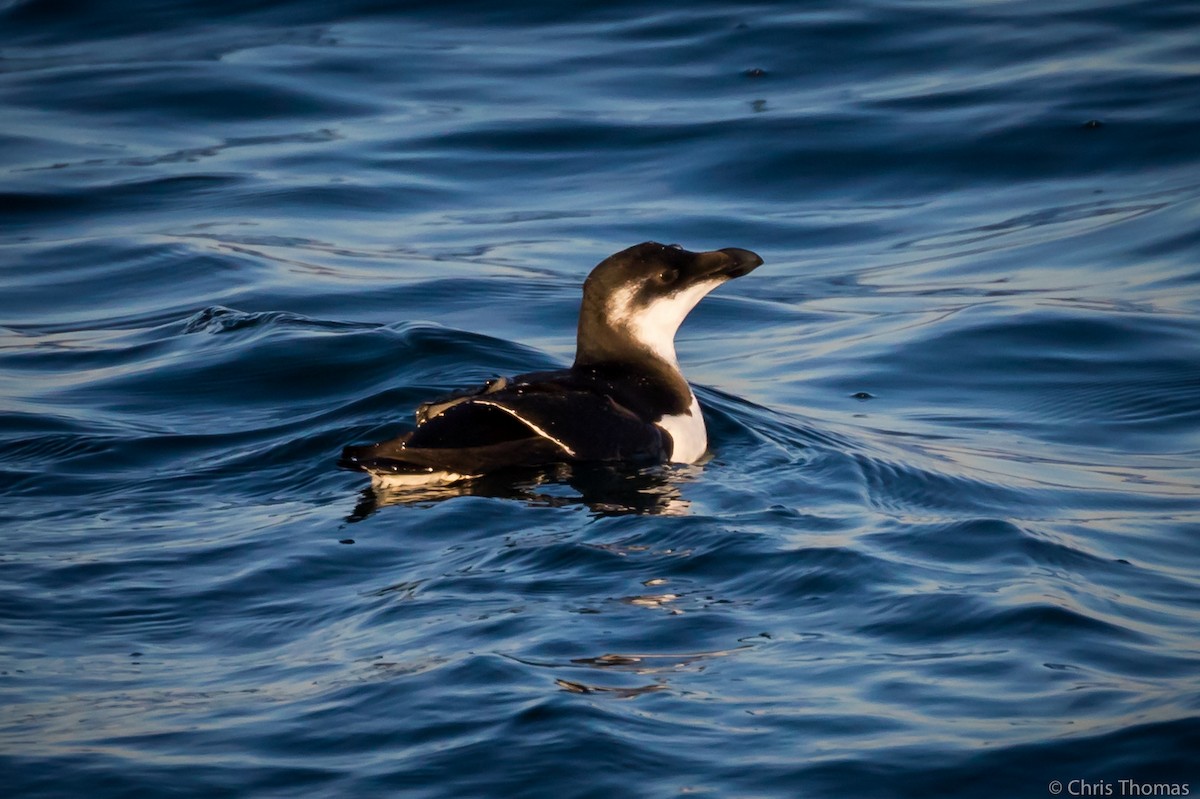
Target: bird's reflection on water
<point>603,490</point>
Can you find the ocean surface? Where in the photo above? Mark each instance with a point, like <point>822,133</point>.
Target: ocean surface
<point>948,539</point>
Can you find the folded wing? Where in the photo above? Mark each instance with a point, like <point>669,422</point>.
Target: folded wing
<point>502,425</point>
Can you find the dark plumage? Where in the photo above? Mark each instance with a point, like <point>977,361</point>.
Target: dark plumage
<point>623,400</point>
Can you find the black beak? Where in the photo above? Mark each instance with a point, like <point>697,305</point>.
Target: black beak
<point>743,261</point>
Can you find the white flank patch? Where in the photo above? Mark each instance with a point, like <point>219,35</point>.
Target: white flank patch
<point>394,480</point>
<point>654,325</point>
<point>688,433</point>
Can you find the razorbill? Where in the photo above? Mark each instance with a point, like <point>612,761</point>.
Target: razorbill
<point>623,400</point>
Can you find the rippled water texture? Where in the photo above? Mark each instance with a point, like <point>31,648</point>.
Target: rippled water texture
<point>947,544</point>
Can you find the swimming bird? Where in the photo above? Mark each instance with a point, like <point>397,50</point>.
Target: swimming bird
<point>623,400</point>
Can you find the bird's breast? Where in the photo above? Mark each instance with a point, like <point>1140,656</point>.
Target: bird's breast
<point>689,437</point>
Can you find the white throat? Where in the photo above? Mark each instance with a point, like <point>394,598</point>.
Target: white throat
<point>654,327</point>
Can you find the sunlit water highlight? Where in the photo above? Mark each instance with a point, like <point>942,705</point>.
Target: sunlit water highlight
<point>947,541</point>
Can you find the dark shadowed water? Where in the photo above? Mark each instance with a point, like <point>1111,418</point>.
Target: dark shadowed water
<point>947,544</point>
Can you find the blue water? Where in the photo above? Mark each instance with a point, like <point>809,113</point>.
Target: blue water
<point>948,543</point>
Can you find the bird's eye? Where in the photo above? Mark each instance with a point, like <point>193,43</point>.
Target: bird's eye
<point>667,276</point>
